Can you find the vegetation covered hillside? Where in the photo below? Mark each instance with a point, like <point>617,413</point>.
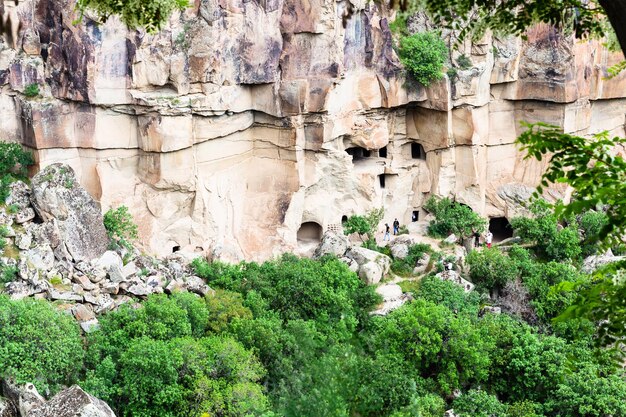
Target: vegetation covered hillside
<point>294,337</point>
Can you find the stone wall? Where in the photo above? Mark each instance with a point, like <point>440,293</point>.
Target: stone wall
<point>229,129</point>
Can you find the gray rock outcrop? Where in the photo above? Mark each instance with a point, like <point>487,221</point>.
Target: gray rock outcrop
<point>58,197</point>
<point>332,243</point>
<point>72,402</point>
<point>373,266</point>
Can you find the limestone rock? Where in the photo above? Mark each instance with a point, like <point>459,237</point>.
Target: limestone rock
<point>24,397</point>
<point>82,312</point>
<point>332,243</point>
<point>393,298</point>
<point>140,290</point>
<point>56,194</point>
<point>7,408</point>
<point>39,257</point>
<point>592,263</point>
<point>451,239</point>
<point>112,263</point>
<point>73,402</point>
<point>457,279</point>
<point>373,266</point>
<point>197,285</point>
<point>90,325</point>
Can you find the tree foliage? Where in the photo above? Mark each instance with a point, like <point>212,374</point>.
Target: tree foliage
<point>14,163</point>
<point>38,344</point>
<point>120,226</point>
<point>423,55</point>
<point>148,14</point>
<point>452,217</point>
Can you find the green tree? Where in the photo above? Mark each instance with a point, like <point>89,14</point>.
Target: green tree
<point>452,217</point>
<point>38,344</point>
<point>478,403</point>
<point>14,163</point>
<point>148,14</point>
<point>491,269</point>
<point>423,55</point>
<point>120,227</point>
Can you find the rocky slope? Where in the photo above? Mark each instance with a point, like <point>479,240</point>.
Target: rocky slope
<point>246,128</point>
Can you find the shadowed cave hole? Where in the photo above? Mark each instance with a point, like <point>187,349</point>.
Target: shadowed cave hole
<point>501,228</point>
<point>344,219</point>
<point>358,153</point>
<point>415,216</point>
<point>310,232</point>
<point>417,151</point>
<point>382,152</point>
<point>175,248</point>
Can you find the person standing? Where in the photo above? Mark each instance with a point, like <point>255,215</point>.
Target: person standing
<point>386,237</point>
<point>488,238</point>
<point>396,226</point>
<point>476,239</point>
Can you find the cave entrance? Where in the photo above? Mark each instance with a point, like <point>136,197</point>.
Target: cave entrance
<point>415,216</point>
<point>382,152</point>
<point>358,153</point>
<point>417,151</point>
<point>344,219</point>
<point>501,228</point>
<point>309,232</point>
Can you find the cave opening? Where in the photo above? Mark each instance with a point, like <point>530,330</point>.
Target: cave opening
<point>358,153</point>
<point>309,232</point>
<point>382,152</point>
<point>417,151</point>
<point>381,180</point>
<point>344,219</point>
<point>415,216</point>
<point>501,228</point>
<point>175,248</point>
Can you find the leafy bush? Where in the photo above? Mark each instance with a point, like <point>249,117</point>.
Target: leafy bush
<point>452,217</point>
<point>326,291</point>
<point>405,266</point>
<point>423,54</point>
<point>156,360</point>
<point>591,223</point>
<point>464,62</point>
<point>147,14</point>
<point>356,224</point>
<point>448,294</point>
<point>38,344</point>
<point>478,403</point>
<point>14,163</point>
<point>491,269</point>
<point>120,227</point>
<point>8,274</point>
<point>31,90</point>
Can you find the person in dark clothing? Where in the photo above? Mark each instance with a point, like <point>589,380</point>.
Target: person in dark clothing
<point>476,239</point>
<point>396,227</point>
<point>386,237</point>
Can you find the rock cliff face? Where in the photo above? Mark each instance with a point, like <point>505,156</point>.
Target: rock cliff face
<point>246,128</point>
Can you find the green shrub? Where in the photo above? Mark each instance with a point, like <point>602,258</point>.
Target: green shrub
<point>478,403</point>
<point>31,90</point>
<point>591,223</point>
<point>356,224</point>
<point>405,266</point>
<point>464,62</point>
<point>491,269</point>
<point>8,274</point>
<point>156,360</point>
<point>326,290</point>
<point>39,344</point>
<point>120,227</point>
<point>452,217</point>
<point>448,294</point>
<point>14,163</point>
<point>423,55</point>
<point>147,14</point>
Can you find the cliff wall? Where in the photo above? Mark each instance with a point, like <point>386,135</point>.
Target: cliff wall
<point>247,124</point>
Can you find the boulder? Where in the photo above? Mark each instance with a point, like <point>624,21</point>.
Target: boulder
<point>24,397</point>
<point>73,402</point>
<point>83,312</point>
<point>139,290</point>
<point>399,250</point>
<point>197,285</point>
<point>451,239</point>
<point>332,243</point>
<point>90,325</point>
<point>56,194</point>
<point>422,264</point>
<point>7,408</point>
<point>393,298</point>
<point>373,266</point>
<point>112,263</point>
<point>457,279</point>
<point>40,258</point>
<point>592,263</point>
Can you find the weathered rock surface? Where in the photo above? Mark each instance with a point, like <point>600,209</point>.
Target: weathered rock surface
<point>241,124</point>
<point>393,298</point>
<point>73,402</point>
<point>56,194</point>
<point>373,266</point>
<point>332,243</point>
